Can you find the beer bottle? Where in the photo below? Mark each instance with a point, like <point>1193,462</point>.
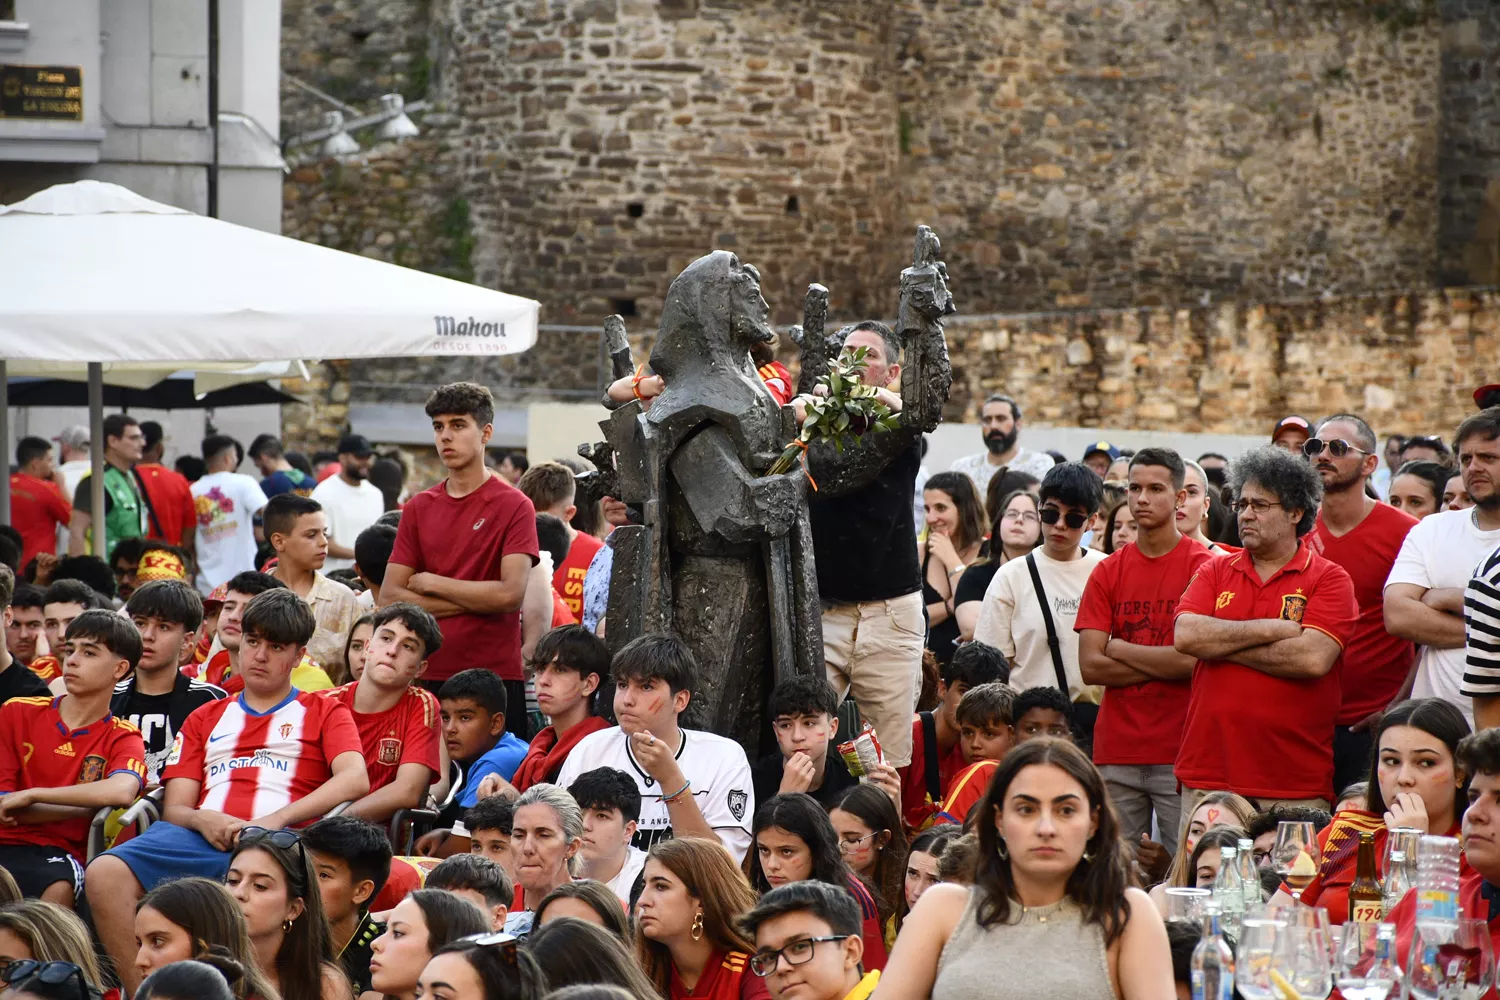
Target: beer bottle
<point>1365,896</point>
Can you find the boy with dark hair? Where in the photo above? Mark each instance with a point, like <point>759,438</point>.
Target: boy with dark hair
<point>480,881</point>
<point>809,942</point>
<point>986,733</point>
<point>569,664</point>
<point>488,825</point>
<point>16,679</point>
<point>1043,711</point>
<point>23,634</point>
<point>280,476</point>
<point>62,759</point>
<point>611,805</point>
<point>64,601</point>
<point>692,783</point>
<point>474,705</point>
<point>223,668</point>
<point>397,719</point>
<point>351,859</point>
<point>937,755</point>
<point>1029,610</point>
<point>804,719</point>
<point>550,487</point>
<point>465,549</point>
<point>372,550</point>
<point>273,757</point>
<point>158,698</point>
<point>297,529</point>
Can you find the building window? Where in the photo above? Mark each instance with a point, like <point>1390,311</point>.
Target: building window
<point>7,10</point>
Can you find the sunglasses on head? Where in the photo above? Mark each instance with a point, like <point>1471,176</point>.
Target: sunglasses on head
<point>506,944</point>
<point>50,973</point>
<point>1338,447</point>
<point>284,839</point>
<point>1074,520</point>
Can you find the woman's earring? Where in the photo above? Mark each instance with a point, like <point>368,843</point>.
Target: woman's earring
<point>697,931</point>
<point>1000,850</point>
<point>286,928</point>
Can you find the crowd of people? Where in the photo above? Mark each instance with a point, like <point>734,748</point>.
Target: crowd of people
<point>312,735</point>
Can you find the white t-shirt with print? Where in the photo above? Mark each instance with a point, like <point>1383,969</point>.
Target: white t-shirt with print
<point>1442,551</point>
<point>226,504</point>
<point>716,768</point>
<point>350,510</point>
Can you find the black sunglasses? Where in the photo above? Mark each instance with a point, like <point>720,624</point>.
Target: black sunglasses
<point>284,839</point>
<point>506,944</point>
<point>50,973</point>
<point>1338,447</point>
<point>1074,520</point>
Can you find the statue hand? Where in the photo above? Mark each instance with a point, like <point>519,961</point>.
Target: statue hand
<point>778,500</point>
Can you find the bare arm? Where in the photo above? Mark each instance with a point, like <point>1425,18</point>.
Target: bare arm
<point>912,968</point>
<point>1097,667</point>
<point>117,790</point>
<point>1161,662</point>
<point>483,597</point>
<point>1409,617</point>
<point>1307,657</point>
<point>536,610</point>
<point>394,589</point>
<point>1449,599</point>
<point>406,791</point>
<point>180,808</point>
<point>78,526</point>
<point>1208,638</point>
<point>350,782</point>
<point>1144,965</point>
<point>967,614</point>
<point>337,551</point>
<point>1486,711</point>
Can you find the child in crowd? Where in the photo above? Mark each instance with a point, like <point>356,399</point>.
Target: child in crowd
<point>611,805</point>
<point>397,719</point>
<point>985,717</point>
<point>479,880</point>
<point>937,754</point>
<point>550,487</point>
<point>65,600</point>
<point>372,550</point>
<point>62,759</point>
<point>297,528</point>
<point>222,669</point>
<point>352,860</point>
<point>692,783</point>
<point>157,698</point>
<point>473,706</point>
<point>804,718</point>
<point>23,636</point>
<point>273,757</point>
<point>1043,711</point>
<point>570,663</point>
<point>808,943</point>
<point>16,679</point>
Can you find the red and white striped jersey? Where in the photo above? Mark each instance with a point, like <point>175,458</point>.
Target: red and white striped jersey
<point>251,764</point>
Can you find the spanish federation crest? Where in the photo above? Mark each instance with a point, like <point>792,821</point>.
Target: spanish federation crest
<point>92,769</point>
<point>389,752</point>
<point>1292,607</point>
<point>737,802</point>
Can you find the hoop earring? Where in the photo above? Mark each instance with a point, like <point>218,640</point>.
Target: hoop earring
<point>1087,857</point>
<point>286,928</point>
<point>1000,850</point>
<point>697,930</point>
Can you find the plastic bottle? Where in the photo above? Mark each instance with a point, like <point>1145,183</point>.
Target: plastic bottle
<point>1437,881</point>
<point>1212,968</point>
<point>1228,892</point>
<point>1249,876</point>
<point>1397,882</point>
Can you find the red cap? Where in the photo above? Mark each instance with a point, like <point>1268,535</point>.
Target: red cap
<point>1291,421</point>
<point>1487,396</point>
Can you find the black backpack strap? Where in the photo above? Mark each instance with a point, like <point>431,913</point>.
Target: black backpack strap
<point>1053,643</point>
<point>930,757</point>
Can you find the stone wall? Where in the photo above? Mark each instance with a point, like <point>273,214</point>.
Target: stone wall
<point>1071,154</point>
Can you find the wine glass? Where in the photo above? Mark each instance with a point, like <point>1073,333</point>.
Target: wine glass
<point>1360,975</point>
<point>1260,958</point>
<point>1186,902</point>
<point>1295,853</point>
<point>1307,965</point>
<point>1451,962</point>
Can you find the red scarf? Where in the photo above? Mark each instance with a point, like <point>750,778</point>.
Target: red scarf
<point>544,758</point>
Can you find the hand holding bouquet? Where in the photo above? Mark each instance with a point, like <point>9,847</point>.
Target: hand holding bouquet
<point>839,415</point>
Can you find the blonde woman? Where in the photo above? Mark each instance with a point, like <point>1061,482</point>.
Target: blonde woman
<point>1216,809</point>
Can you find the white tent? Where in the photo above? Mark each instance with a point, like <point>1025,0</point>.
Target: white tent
<point>97,281</point>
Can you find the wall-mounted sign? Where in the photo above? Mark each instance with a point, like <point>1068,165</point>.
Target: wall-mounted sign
<point>54,92</point>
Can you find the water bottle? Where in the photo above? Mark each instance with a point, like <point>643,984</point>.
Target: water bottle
<point>1374,978</point>
<point>1228,892</point>
<point>1212,968</point>
<point>1249,876</point>
<point>1397,882</point>
<point>1437,881</point>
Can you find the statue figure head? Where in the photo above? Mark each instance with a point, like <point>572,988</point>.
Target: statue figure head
<point>714,313</point>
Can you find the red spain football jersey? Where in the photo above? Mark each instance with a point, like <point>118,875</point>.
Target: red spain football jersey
<point>46,667</point>
<point>407,734</point>
<point>726,976</point>
<point>37,750</point>
<point>250,763</point>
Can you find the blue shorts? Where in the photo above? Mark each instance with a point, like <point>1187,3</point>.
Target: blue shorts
<point>166,851</point>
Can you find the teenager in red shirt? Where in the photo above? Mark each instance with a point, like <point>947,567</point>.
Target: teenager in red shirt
<point>1364,536</point>
<point>550,488</point>
<point>272,757</point>
<point>936,755</point>
<point>1125,632</point>
<point>172,518</point>
<point>37,504</point>
<point>464,549</point>
<point>397,718</point>
<point>1267,627</point>
<point>63,759</point>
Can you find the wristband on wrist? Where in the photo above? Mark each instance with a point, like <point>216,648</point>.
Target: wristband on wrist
<point>669,799</point>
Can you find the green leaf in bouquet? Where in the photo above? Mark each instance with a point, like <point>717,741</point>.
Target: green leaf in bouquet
<point>843,421</point>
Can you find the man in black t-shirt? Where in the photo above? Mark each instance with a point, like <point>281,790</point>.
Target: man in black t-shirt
<point>157,699</point>
<point>16,679</point>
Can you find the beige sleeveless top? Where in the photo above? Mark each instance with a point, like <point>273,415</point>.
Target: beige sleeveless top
<point>1042,953</point>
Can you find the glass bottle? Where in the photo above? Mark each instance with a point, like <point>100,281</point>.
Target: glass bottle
<point>1212,967</point>
<point>1397,882</point>
<point>1228,892</point>
<point>1366,901</point>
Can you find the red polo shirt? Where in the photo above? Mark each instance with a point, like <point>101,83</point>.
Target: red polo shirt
<point>1249,732</point>
<point>1375,662</point>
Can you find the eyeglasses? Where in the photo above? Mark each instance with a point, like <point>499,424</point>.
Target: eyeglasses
<point>1313,447</point>
<point>1022,516</point>
<point>1259,506</point>
<point>763,963</point>
<point>50,973</point>
<point>1074,520</point>
<point>857,842</point>
<point>505,943</point>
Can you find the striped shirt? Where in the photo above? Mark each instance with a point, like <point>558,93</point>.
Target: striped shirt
<point>1482,629</point>
<point>252,764</point>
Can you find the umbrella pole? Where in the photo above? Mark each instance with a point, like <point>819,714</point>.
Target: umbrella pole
<point>5,441</point>
<point>96,459</point>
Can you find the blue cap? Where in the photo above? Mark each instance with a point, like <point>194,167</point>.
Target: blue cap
<point>1101,447</point>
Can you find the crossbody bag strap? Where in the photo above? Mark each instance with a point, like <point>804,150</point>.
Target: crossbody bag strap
<point>1053,642</point>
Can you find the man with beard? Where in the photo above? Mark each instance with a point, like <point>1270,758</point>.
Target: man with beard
<point>1478,445</point>
<point>350,500</point>
<point>1424,596</point>
<point>1362,535</point>
<point>1001,421</point>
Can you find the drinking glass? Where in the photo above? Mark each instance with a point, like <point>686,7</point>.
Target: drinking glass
<point>1306,964</point>
<point>1294,838</point>
<point>1259,955</point>
<point>1403,838</point>
<point>1358,974</point>
<point>1451,962</point>
<point>1186,902</point>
